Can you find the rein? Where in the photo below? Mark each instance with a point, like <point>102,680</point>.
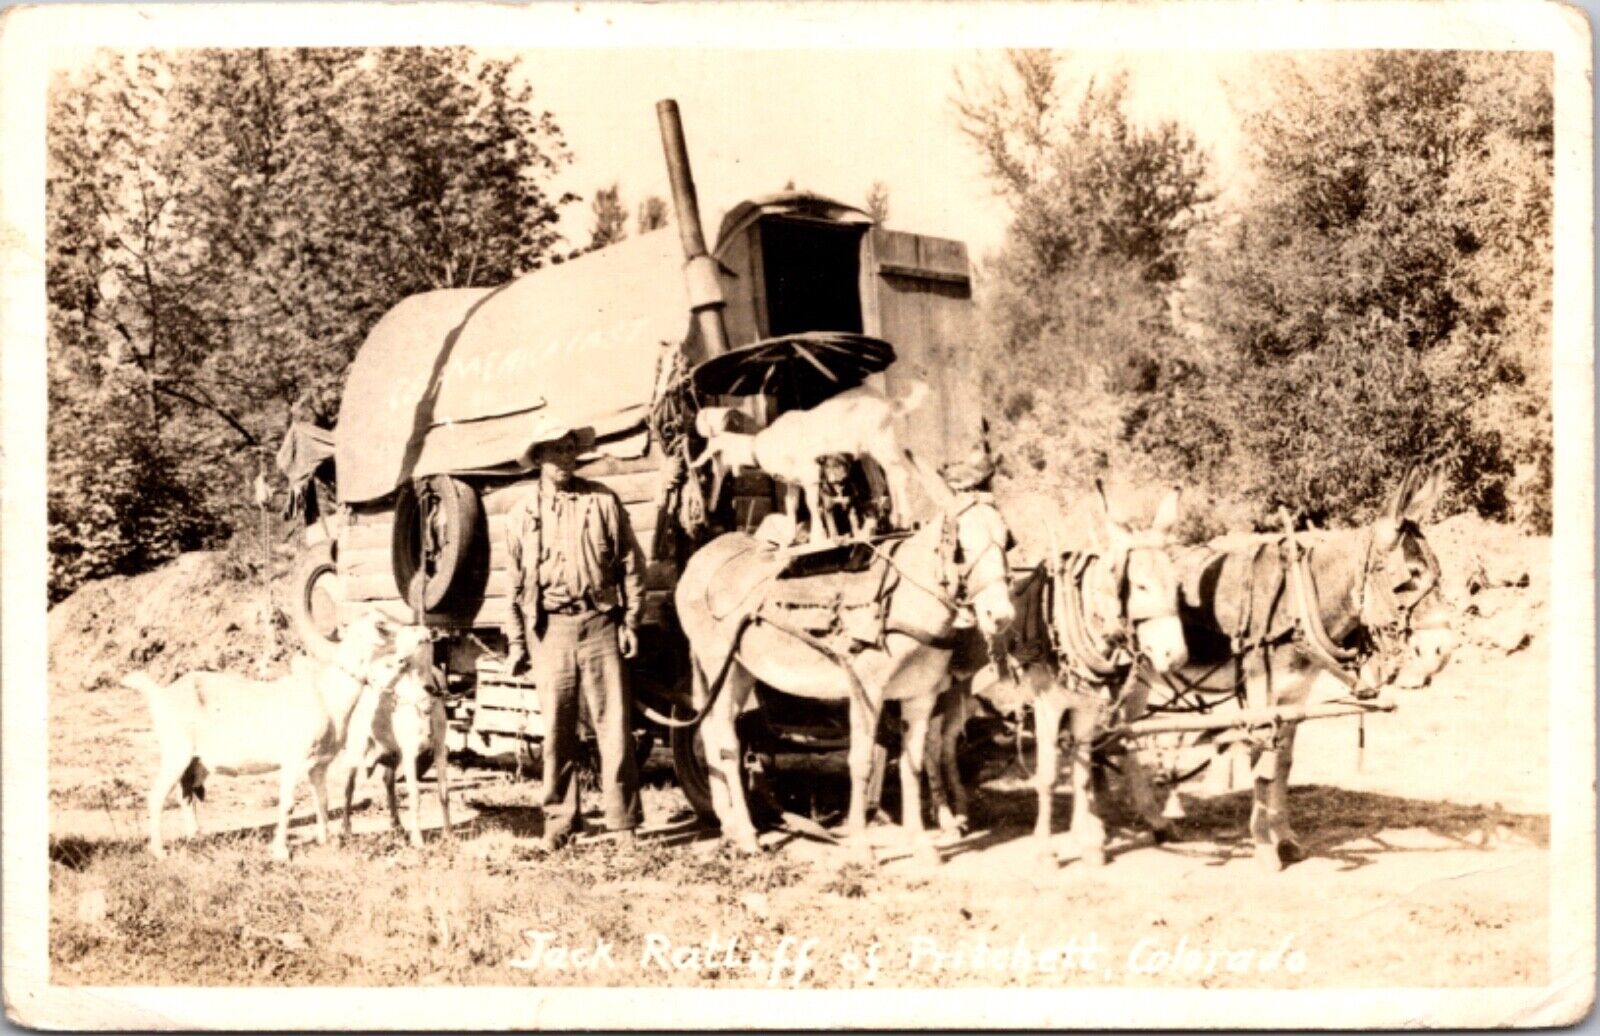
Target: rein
<point>1384,633</point>
<point>1075,628</point>
<point>947,641</point>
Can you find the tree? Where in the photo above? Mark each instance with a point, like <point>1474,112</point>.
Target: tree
<point>1384,297</point>
<point>652,213</point>
<point>878,201</point>
<point>228,225</point>
<point>610,218</point>
<point>1077,327</point>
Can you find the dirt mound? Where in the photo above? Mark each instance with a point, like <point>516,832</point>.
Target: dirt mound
<point>199,612</point>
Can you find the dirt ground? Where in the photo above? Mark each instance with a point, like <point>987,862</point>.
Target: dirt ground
<point>1435,836</point>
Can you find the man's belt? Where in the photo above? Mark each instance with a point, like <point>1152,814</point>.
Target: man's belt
<point>583,606</point>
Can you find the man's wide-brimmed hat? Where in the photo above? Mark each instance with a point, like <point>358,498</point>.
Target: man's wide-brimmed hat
<point>582,439</point>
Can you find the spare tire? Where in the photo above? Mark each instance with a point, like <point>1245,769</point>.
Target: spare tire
<point>314,610</point>
<point>436,522</point>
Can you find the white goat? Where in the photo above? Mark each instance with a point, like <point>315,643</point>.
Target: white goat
<point>297,725</point>
<point>400,725</point>
<point>861,421</point>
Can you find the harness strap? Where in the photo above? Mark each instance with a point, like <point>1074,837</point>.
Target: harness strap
<point>1075,630</point>
<point>856,687</point>
<point>1314,637</point>
<point>713,689</point>
<point>948,642</point>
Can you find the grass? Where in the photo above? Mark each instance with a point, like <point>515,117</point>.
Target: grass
<point>375,911</point>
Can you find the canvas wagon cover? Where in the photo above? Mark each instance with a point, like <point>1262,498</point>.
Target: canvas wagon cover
<point>466,379</point>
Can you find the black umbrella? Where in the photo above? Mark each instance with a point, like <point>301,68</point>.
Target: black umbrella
<point>801,370</point>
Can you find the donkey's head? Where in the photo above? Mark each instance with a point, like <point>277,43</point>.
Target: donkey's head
<point>1146,581</point>
<point>1399,597</point>
<point>977,555</point>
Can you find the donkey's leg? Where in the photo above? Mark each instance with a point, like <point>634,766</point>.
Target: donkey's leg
<point>1049,702</point>
<point>1088,827</point>
<point>947,761</point>
<point>1256,671</point>
<point>1282,834</point>
<point>914,715</point>
<point>1147,801</point>
<point>1263,769</point>
<point>720,737</point>
<point>863,732</point>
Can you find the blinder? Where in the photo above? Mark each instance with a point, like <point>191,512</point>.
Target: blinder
<point>1387,603</point>
<point>954,554</point>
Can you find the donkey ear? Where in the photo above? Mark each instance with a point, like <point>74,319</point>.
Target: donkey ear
<point>942,496</point>
<point>1425,497</point>
<point>1398,503</point>
<point>1167,513</point>
<point>1104,529</point>
<point>1111,523</point>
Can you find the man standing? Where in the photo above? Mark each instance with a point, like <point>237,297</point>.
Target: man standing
<point>577,592</point>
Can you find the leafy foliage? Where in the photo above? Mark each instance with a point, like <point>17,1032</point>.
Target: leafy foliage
<point>224,227</point>
<point>877,205</point>
<point>652,213</point>
<point>1384,298</point>
<point>1381,295</point>
<point>1077,326</point>
<point>610,217</point>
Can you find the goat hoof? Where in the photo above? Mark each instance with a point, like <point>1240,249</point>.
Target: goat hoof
<point>1094,856</point>
<point>1166,834</point>
<point>158,852</point>
<point>1268,858</point>
<point>280,853</point>
<point>1290,851</point>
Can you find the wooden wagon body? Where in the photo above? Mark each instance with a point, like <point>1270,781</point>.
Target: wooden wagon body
<point>452,387</point>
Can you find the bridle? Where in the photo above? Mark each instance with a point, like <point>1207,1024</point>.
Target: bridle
<point>951,551</point>
<point>1077,647</point>
<point>1384,622</point>
<point>956,591</point>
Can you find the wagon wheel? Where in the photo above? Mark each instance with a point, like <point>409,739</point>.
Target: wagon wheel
<point>689,763</point>
<point>315,606</point>
<point>757,769</point>
<point>438,525</point>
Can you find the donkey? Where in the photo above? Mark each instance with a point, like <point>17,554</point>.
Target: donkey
<point>939,571</point>
<point>1083,618</point>
<point>1269,626</point>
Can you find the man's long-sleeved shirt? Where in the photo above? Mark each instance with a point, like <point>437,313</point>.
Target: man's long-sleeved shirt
<point>586,550</point>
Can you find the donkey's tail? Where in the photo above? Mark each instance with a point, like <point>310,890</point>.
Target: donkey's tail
<point>915,396</point>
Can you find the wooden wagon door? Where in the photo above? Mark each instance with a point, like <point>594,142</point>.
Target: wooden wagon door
<point>916,293</point>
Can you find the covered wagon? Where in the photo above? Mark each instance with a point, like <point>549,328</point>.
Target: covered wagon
<point>452,388</point>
